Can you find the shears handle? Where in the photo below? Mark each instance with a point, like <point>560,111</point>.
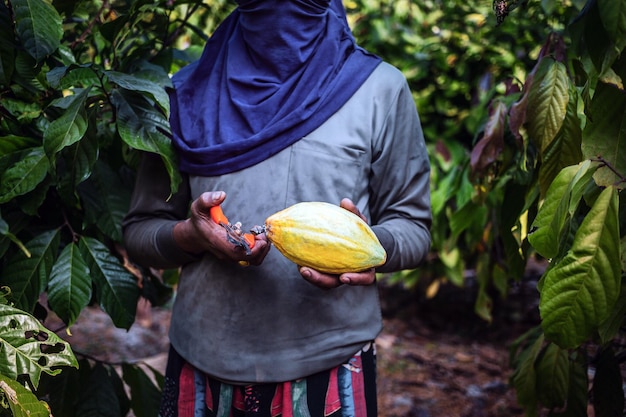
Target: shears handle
<point>218,216</point>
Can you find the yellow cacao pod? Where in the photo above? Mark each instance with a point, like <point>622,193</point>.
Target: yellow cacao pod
<point>325,237</point>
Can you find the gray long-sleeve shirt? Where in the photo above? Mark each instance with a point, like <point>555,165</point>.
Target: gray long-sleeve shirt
<point>266,323</point>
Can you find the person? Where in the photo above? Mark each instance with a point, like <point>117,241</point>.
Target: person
<point>282,107</point>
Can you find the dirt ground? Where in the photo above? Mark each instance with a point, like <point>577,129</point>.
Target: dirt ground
<point>435,357</point>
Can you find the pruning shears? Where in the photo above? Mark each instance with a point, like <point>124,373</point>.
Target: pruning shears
<point>234,233</point>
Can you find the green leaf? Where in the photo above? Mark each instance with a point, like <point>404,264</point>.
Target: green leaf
<point>613,15</point>
<point>39,27</point>
<point>7,48</point>
<point>605,133</point>
<point>73,76</point>
<point>99,394</point>
<point>577,391</point>
<point>145,397</point>
<point>28,276</point>
<point>552,369</point>
<point>471,214</point>
<point>611,327</point>
<point>11,143</point>
<point>561,201</point>
<point>142,127</point>
<point>117,289</point>
<point>547,102</point>
<point>21,401</point>
<point>134,83</point>
<point>105,209</point>
<point>24,176</point>
<point>524,376</point>
<point>69,128</point>
<point>28,348</point>
<point>69,289</point>
<point>579,292</point>
<point>565,149</point>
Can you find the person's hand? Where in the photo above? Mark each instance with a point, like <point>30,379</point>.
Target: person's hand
<point>329,281</point>
<point>199,233</point>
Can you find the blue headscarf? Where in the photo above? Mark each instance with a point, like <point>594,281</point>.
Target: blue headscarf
<point>272,72</point>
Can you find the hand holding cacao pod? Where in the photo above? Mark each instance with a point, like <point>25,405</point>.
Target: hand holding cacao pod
<point>325,237</point>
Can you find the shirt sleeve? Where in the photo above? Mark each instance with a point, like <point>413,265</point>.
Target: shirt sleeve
<point>153,212</point>
<point>400,185</point>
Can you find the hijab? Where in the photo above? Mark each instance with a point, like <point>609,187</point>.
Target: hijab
<point>272,72</point>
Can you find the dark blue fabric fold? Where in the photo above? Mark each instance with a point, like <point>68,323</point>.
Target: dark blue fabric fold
<point>272,72</point>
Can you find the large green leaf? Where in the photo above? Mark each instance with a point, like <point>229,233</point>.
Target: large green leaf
<point>145,396</point>
<point>21,401</point>
<point>579,293</point>
<point>99,394</point>
<point>117,289</point>
<point>27,276</point>
<point>524,377</point>
<point>103,208</point>
<point>560,203</point>
<point>142,127</point>
<point>7,49</point>
<point>552,370</point>
<point>565,149</point>
<point>605,133</point>
<point>613,15</point>
<point>24,175</point>
<point>69,128</point>
<point>134,83</point>
<point>39,27</point>
<point>69,289</point>
<point>28,348</point>
<point>547,102</point>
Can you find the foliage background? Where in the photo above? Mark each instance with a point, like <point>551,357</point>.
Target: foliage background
<point>524,118</point>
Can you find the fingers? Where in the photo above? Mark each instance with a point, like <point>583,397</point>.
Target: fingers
<point>349,205</point>
<point>329,281</point>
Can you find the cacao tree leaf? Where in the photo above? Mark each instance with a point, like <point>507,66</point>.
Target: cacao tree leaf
<point>39,27</point>
<point>69,288</point>
<point>24,175</point>
<point>547,102</point>
<point>134,83</point>
<point>82,157</point>
<point>608,395</point>
<point>613,15</point>
<point>142,127</point>
<point>28,348</point>
<point>524,376</point>
<point>605,133</point>
<point>21,401</point>
<point>610,328</point>
<point>12,143</point>
<point>579,292</point>
<point>565,149</point>
<point>7,47</point>
<point>117,289</point>
<point>577,392</point>
<point>145,397</point>
<point>471,214</point>
<point>552,370</point>
<point>104,209</point>
<point>69,128</point>
<point>560,203</point>
<point>489,148</point>
<point>73,76</point>
<point>99,396</point>
<point>27,276</point>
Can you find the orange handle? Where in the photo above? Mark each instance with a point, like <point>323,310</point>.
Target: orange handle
<point>217,215</point>
<point>249,237</point>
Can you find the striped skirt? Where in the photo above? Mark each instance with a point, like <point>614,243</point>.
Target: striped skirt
<point>348,390</point>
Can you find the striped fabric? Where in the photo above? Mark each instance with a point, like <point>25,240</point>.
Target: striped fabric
<point>348,390</point>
